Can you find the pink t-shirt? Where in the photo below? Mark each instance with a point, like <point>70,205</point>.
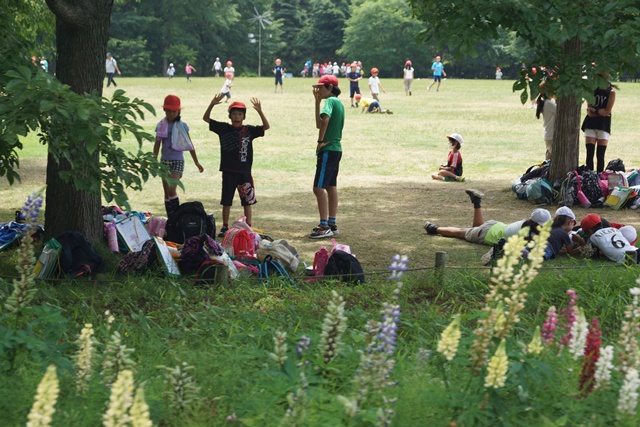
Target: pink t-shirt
<point>189,69</point>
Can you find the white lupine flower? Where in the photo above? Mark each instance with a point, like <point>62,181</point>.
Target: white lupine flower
<point>120,401</point>
<point>448,344</point>
<point>84,357</point>
<point>579,331</point>
<point>628,398</point>
<point>604,365</point>
<point>497,368</point>
<point>335,324</point>
<point>43,408</point>
<point>140,410</point>
<point>279,354</point>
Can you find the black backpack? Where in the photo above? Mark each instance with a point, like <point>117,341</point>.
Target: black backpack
<point>591,188</point>
<point>77,257</point>
<point>616,165</point>
<point>540,170</point>
<point>344,266</point>
<point>189,220</point>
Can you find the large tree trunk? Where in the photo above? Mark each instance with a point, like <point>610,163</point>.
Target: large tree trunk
<point>82,30</point>
<point>566,138</point>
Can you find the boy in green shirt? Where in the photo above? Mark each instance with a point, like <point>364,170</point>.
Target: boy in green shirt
<point>329,122</point>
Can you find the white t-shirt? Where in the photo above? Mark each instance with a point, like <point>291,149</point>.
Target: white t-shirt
<point>226,86</point>
<point>111,65</point>
<point>217,65</point>
<point>408,73</point>
<point>373,84</point>
<point>171,71</point>
<point>336,70</point>
<point>230,70</point>
<point>611,243</point>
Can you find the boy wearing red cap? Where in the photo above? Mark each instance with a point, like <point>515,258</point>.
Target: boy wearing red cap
<point>609,240</point>
<point>278,71</point>
<point>226,86</point>
<point>173,159</point>
<point>375,85</point>
<point>236,155</point>
<point>329,121</point>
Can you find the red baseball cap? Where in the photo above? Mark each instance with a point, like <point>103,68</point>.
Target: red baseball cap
<point>237,105</point>
<point>374,70</point>
<point>327,79</point>
<point>590,221</point>
<point>172,103</point>
<point>229,63</point>
<point>358,96</point>
<point>407,63</point>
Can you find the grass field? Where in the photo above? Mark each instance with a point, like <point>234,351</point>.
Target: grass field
<point>386,192</point>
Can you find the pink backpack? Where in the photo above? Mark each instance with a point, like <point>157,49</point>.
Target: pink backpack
<point>320,261</point>
<point>239,244</point>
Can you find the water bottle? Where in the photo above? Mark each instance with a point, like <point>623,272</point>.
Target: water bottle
<point>112,236</point>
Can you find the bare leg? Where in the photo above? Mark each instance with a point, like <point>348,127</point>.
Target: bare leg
<point>477,217</point>
<point>332,192</point>
<point>456,232</point>
<point>226,211</point>
<point>247,214</point>
<point>323,204</point>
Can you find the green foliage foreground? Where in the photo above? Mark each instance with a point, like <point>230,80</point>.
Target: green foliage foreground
<point>325,353</point>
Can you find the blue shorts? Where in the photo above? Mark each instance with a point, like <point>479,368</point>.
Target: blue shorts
<point>373,106</point>
<point>327,168</point>
<point>353,90</point>
<point>437,78</point>
<point>227,94</point>
<point>279,80</point>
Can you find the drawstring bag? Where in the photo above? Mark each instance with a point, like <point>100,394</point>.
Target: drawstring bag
<point>180,140</point>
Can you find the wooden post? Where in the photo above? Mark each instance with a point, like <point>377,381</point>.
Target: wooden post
<point>441,263</point>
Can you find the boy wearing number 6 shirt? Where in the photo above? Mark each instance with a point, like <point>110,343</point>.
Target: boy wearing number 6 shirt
<point>609,240</point>
<point>236,155</point>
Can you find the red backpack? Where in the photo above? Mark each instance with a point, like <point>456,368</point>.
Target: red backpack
<point>239,244</point>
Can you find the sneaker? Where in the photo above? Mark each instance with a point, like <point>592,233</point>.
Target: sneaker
<point>223,230</point>
<point>334,229</point>
<point>431,228</point>
<point>320,232</point>
<point>353,106</point>
<point>460,179</point>
<point>474,195</point>
<point>389,112</point>
<point>409,93</point>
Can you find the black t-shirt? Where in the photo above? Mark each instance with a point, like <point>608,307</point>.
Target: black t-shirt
<point>353,75</point>
<point>557,239</point>
<point>236,145</point>
<point>277,70</point>
<point>600,122</point>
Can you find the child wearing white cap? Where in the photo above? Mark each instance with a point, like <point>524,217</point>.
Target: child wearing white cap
<point>560,239</point>
<point>491,231</point>
<point>452,171</point>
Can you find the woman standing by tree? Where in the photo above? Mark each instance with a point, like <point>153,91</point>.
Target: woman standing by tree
<point>547,107</point>
<point>597,125</point>
<point>408,77</point>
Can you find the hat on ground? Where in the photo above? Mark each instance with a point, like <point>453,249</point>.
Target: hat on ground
<point>590,221</point>
<point>171,103</point>
<point>629,233</point>
<point>540,216</point>
<point>327,79</point>
<point>374,70</point>
<point>457,137</point>
<point>566,212</point>
<point>237,105</point>
<point>358,96</point>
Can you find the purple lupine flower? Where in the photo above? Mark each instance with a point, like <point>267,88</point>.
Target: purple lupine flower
<point>570,315</point>
<point>387,335</point>
<point>31,210</point>
<point>398,266</point>
<point>303,345</point>
<point>549,326</point>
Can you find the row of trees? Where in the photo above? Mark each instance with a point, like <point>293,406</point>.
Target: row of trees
<point>147,34</point>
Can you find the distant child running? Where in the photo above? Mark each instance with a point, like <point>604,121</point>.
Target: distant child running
<point>561,240</point>
<point>236,155</point>
<point>171,158</point>
<point>189,69</point>
<point>226,86</point>
<point>452,171</point>
<point>329,121</point>
<point>375,85</point>
<point>278,71</point>
<point>438,71</point>
<point>171,71</point>
<point>370,105</point>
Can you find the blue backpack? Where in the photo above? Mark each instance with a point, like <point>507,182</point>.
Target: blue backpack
<point>270,268</point>
<point>540,192</point>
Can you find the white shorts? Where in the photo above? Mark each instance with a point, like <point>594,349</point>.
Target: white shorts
<point>597,134</point>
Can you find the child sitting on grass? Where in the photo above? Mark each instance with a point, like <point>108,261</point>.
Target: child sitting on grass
<point>560,240</point>
<point>452,171</point>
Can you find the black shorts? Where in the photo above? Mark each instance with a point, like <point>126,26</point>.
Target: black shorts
<point>243,182</point>
<point>375,105</point>
<point>437,78</point>
<point>327,168</point>
<point>353,90</point>
<point>279,80</point>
